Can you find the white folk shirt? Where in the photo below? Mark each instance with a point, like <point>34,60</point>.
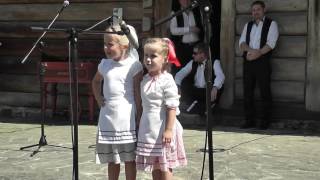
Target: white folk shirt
<point>187,35</point>
<point>199,79</point>
<point>255,35</point>
<point>157,94</point>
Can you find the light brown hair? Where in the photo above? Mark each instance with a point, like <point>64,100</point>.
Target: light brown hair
<point>163,51</point>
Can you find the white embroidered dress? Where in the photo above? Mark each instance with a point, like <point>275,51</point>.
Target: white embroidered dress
<point>116,134</point>
<point>158,93</point>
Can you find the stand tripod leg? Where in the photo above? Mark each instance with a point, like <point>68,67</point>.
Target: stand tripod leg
<point>42,140</point>
<point>25,147</point>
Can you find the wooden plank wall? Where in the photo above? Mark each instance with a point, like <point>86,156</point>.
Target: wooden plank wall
<point>313,63</point>
<point>20,84</point>
<point>290,55</point>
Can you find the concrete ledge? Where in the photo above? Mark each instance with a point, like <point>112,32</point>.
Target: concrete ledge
<point>228,118</point>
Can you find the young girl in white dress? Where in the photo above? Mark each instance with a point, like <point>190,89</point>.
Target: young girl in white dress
<point>120,104</point>
<point>160,146</point>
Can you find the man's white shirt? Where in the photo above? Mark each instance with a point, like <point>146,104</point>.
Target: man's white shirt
<point>255,35</point>
<point>199,79</point>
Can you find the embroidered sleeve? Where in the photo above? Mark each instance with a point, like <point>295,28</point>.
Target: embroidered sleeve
<point>171,96</point>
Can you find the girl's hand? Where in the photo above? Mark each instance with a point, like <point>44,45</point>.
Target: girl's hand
<point>101,101</point>
<point>167,136</point>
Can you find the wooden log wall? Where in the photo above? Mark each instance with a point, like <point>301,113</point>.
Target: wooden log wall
<point>313,63</point>
<point>20,83</point>
<point>290,55</point>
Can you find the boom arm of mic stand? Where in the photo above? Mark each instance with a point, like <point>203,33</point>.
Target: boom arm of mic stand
<point>193,5</point>
<point>78,31</point>
<point>42,35</point>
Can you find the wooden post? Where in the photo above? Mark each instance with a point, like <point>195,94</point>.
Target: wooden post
<point>162,9</point>
<point>227,52</point>
<point>313,62</point>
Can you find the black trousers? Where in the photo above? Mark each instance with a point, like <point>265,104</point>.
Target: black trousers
<point>257,72</point>
<point>199,94</point>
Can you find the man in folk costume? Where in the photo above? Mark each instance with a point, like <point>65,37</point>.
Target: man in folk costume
<point>191,80</point>
<point>258,39</point>
<point>186,30</point>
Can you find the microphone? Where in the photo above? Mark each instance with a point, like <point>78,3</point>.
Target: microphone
<point>130,32</point>
<point>64,5</point>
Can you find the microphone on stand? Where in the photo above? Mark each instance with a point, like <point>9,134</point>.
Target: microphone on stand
<point>64,5</point>
<point>129,31</point>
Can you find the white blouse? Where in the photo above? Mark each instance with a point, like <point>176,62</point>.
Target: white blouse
<point>157,94</point>
<point>199,79</point>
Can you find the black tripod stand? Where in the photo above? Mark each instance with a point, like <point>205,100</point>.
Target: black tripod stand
<point>205,8</point>
<point>43,141</point>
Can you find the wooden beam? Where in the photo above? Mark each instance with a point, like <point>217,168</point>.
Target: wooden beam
<point>19,47</point>
<point>287,46</point>
<point>23,29</point>
<point>284,69</point>
<point>282,91</point>
<point>19,99</point>
<point>57,1</point>
<point>227,39</point>
<point>243,6</point>
<point>162,9</point>
<point>313,63</point>
<point>76,12</point>
<point>291,23</point>
<point>31,84</point>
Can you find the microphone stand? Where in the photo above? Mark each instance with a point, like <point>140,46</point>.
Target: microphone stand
<point>73,56</point>
<point>205,8</point>
<point>64,5</point>
<point>42,140</point>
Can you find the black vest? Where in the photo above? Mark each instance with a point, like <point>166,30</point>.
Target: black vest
<point>180,23</point>
<point>188,81</point>
<point>264,35</point>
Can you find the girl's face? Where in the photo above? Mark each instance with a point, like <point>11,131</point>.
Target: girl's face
<point>113,49</point>
<point>153,59</point>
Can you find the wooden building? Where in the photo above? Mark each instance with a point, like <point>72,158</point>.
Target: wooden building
<point>296,60</point>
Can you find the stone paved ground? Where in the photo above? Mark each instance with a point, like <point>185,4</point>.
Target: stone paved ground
<point>252,155</point>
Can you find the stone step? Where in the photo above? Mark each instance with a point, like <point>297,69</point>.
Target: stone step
<point>285,117</point>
